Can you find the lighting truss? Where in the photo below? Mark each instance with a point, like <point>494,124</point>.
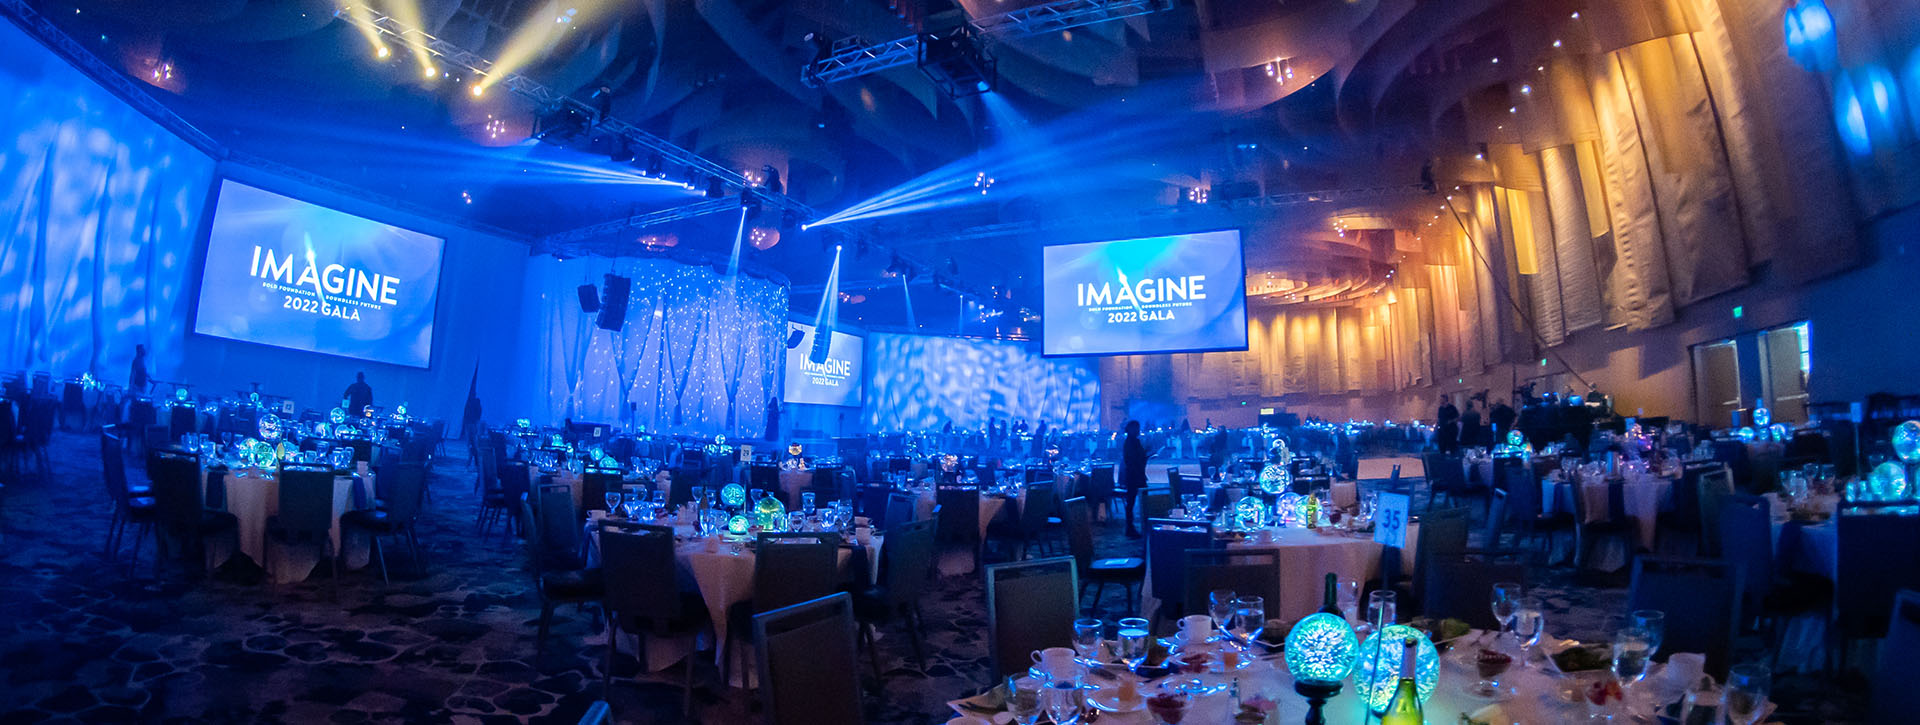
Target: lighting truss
<point>566,240</point>
<point>1271,201</point>
<point>852,61</point>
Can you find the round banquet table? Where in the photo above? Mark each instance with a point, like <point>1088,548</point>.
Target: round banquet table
<point>1534,696</point>
<point>253,496</point>
<point>1305,557</point>
<point>990,505</point>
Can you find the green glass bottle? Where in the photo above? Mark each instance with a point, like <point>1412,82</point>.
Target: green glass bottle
<point>1331,601</point>
<point>1405,707</point>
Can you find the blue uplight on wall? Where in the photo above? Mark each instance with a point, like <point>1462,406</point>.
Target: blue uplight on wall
<point>1810,40</point>
<point>1866,108</point>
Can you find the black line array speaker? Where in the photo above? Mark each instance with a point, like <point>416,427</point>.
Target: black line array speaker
<point>613,306</point>
<point>589,299</point>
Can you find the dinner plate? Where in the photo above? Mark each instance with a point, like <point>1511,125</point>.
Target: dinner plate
<point>1106,696</point>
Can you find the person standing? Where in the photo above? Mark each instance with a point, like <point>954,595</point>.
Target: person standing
<point>137,380</point>
<point>1502,417</point>
<point>359,395</point>
<point>1471,432</point>
<point>1133,471</point>
<point>1446,428</point>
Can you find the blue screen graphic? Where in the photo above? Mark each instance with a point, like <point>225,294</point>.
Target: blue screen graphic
<point>283,272</point>
<point>834,382</point>
<point>1179,293</point>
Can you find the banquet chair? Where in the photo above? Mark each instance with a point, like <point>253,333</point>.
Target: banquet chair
<point>1495,531</point>
<point>680,483</point>
<point>1183,485</point>
<point>594,486</point>
<point>960,517</point>
<point>808,664</point>
<point>1701,599</point>
<point>406,487</point>
<point>788,568</point>
<point>905,563</point>
<point>1615,523</point>
<point>642,595</point>
<point>763,476</point>
<point>1868,575</point>
<point>497,505</point>
<point>1682,523</point>
<point>1445,475</point>
<point>1031,605</point>
<point>1168,541</point>
<point>871,501</point>
<point>305,515</point>
<point>1442,535</point>
<point>1891,700</point>
<point>482,454</point>
<point>1461,586</point>
<point>36,431</point>
<point>1525,508</point>
<point>1711,487</point>
<point>180,509</point>
<point>1030,529</point>
<point>1156,504</point>
<point>902,507</point>
<point>1746,539</point>
<point>131,505</point>
<point>560,575</point>
<point>1128,572</point>
<point>1246,572</point>
<point>1101,489</point>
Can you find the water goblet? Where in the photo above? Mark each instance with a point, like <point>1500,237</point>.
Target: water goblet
<point>1062,698</point>
<point>1701,706</point>
<point>1131,642</point>
<point>1220,607</point>
<point>1250,612</point>
<point>1745,697</point>
<point>1086,637</point>
<point>613,501</point>
<point>1529,623</point>
<point>806,500</point>
<point>1654,622</point>
<point>1382,609</point>
<point>1632,647</point>
<point>1504,596</point>
<point>1023,699</point>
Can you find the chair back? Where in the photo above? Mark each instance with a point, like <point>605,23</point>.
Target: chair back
<point>1701,599</point>
<point>1035,508</point>
<point>113,463</point>
<point>1080,532</point>
<point>960,513</point>
<point>1746,538</point>
<point>871,502</point>
<point>1867,574</point>
<point>1246,572</point>
<point>559,523</point>
<point>594,486</point>
<point>181,420</point>
<point>1442,535</point>
<point>1156,504</point>
<point>1444,473</point>
<point>1031,605</point>
<point>515,480</point>
<point>1712,486</point>
<point>907,560</point>
<point>808,663</point>
<point>680,487</point>
<point>1892,701</point>
<point>306,502</point>
<point>1496,518</point>
<point>1460,587</point>
<point>638,566</point>
<point>792,568</point>
<point>903,507</point>
<point>489,468</point>
<point>1168,541</point>
<point>1100,482</point>
<point>763,476</point>
<point>176,487</point>
<point>406,484</point>
<point>1183,485</point>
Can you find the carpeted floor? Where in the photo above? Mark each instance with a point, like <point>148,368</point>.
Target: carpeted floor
<point>84,639</point>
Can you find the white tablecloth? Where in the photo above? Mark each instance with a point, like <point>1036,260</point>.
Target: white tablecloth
<point>1643,497</point>
<point>990,506</point>
<point>253,496</point>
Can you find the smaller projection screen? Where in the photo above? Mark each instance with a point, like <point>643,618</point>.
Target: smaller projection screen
<point>1177,293</point>
<point>283,272</point>
<point>834,382</point>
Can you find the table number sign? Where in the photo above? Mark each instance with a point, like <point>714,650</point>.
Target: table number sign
<point>1390,519</point>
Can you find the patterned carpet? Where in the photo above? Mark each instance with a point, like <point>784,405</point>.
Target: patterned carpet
<point>87,640</point>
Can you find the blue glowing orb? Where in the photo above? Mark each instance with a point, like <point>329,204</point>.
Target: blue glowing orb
<point>1745,434</point>
<point>180,394</point>
<point>1516,439</point>
<point>400,410</point>
<point>1275,478</point>
<point>337,416</point>
<point>770,514</point>
<point>1250,512</point>
<point>1321,648</point>
<point>1382,653</point>
<point>270,427</point>
<point>1761,416</point>
<point>1810,40</point>
<point>733,494</point>
<point>259,453</point>
<point>1888,482</point>
<point>737,525</point>
<point>1906,441</point>
<point>522,423</point>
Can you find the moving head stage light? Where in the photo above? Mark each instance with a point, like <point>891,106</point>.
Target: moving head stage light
<point>957,62</point>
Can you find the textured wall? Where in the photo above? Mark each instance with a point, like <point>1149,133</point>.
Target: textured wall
<point>921,383</point>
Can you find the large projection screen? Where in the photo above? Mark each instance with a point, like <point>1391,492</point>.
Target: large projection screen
<point>283,272</point>
<point>834,382</point>
<point>1177,293</point>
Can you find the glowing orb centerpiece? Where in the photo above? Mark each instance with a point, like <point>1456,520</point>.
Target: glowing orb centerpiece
<point>1377,672</point>
<point>733,495</point>
<point>259,453</point>
<point>1906,441</point>
<point>770,514</point>
<point>1745,434</point>
<point>794,449</point>
<point>1249,513</point>
<point>1321,648</point>
<point>1275,478</point>
<point>180,394</point>
<point>337,416</point>
<point>1288,509</point>
<point>737,525</point>
<point>1888,482</point>
<point>270,427</point>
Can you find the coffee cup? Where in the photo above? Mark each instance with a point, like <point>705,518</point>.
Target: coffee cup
<point>1055,661</point>
<point>1196,628</point>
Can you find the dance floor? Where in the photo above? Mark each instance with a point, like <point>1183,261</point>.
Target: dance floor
<point>83,639</point>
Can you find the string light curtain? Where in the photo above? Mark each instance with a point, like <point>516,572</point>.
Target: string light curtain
<point>700,353</point>
<point>920,383</point>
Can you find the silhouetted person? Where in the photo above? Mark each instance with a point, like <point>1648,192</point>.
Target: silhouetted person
<point>1133,471</point>
<point>1502,417</point>
<point>137,380</point>
<point>359,395</point>
<point>1471,432</point>
<point>1446,428</point>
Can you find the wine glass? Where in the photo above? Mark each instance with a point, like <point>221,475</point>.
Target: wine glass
<point>1062,698</point>
<point>659,503</point>
<point>1251,611</point>
<point>1632,647</point>
<point>1701,706</point>
<point>1131,642</point>
<point>806,500</point>
<point>1023,699</point>
<point>1654,622</point>
<point>1086,636</point>
<point>1529,622</point>
<point>631,504</point>
<point>1504,596</point>
<point>1220,607</point>
<point>1382,609</point>
<point>613,501</point>
<point>1745,697</point>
